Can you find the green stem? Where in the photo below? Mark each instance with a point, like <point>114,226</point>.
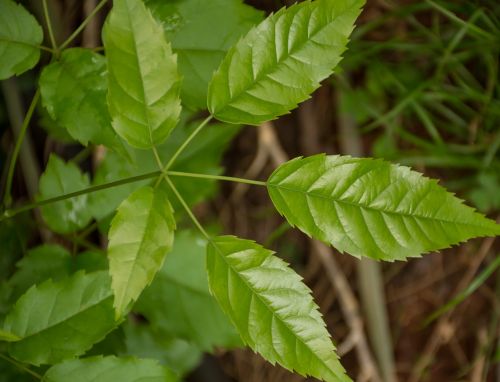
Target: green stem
<point>83,25</point>
<point>49,27</point>
<point>186,207</point>
<point>17,148</point>
<point>21,366</point>
<point>12,212</point>
<point>186,143</point>
<point>216,177</point>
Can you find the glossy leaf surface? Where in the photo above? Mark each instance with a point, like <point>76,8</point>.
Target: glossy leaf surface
<point>74,93</point>
<point>60,320</point>
<point>281,62</point>
<point>20,35</point>
<point>201,33</point>
<point>108,369</point>
<point>141,234</point>
<point>61,178</point>
<point>144,85</point>
<point>372,208</point>
<point>182,283</point>
<point>271,307</point>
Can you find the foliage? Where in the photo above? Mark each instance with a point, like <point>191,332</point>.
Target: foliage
<point>179,293</point>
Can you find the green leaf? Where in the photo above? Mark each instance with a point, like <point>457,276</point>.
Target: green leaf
<point>144,86</point>
<point>8,337</point>
<point>271,307</point>
<point>372,208</point>
<point>60,320</point>
<point>141,234</point>
<point>74,93</point>
<point>61,178</point>
<point>20,36</point>
<point>201,33</point>
<point>282,61</point>
<point>182,283</point>
<point>108,369</point>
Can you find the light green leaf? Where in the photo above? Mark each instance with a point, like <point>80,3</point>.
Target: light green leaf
<point>144,86</point>
<point>60,320</point>
<point>61,178</point>
<point>372,208</point>
<point>8,337</point>
<point>20,36</point>
<point>272,309</point>
<point>109,369</point>
<point>201,33</point>
<point>179,296</point>
<point>141,234</point>
<point>74,93</point>
<point>282,61</point>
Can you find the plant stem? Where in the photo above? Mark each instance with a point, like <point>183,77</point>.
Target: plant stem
<point>49,27</point>
<point>160,173</point>
<point>83,25</point>
<point>12,212</point>
<point>186,207</point>
<point>10,175</point>
<point>216,177</point>
<point>21,366</point>
<point>186,142</point>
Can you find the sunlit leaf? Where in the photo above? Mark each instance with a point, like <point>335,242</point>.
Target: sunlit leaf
<point>372,208</point>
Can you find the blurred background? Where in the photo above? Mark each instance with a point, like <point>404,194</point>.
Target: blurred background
<point>419,85</point>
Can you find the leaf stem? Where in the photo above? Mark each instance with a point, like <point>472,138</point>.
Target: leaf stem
<point>12,212</point>
<point>186,142</point>
<point>186,207</point>
<point>83,25</point>
<point>10,175</point>
<point>49,27</point>
<point>21,366</point>
<point>217,177</point>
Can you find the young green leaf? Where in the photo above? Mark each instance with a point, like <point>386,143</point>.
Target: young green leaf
<point>182,282</point>
<point>201,33</point>
<point>60,320</point>
<point>61,178</point>
<point>144,86</point>
<point>74,93</point>
<point>141,234</point>
<point>108,369</point>
<point>272,309</point>
<point>20,35</point>
<point>282,61</point>
<point>372,208</point>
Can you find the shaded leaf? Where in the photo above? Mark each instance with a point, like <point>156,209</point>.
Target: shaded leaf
<point>74,91</point>
<point>201,33</point>
<point>144,86</point>
<point>372,208</point>
<point>107,369</point>
<point>279,63</point>
<point>141,234</point>
<point>61,178</point>
<point>60,320</point>
<point>20,36</point>
<point>8,337</point>
<point>271,307</point>
<point>178,302</point>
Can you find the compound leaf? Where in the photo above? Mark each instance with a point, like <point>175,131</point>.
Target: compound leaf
<point>60,178</point>
<point>272,309</point>
<point>281,62</point>
<point>74,93</point>
<point>182,282</point>
<point>372,208</point>
<point>106,369</point>
<point>144,86</point>
<point>20,35</point>
<point>60,320</point>
<point>141,234</point>
<point>201,33</point>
